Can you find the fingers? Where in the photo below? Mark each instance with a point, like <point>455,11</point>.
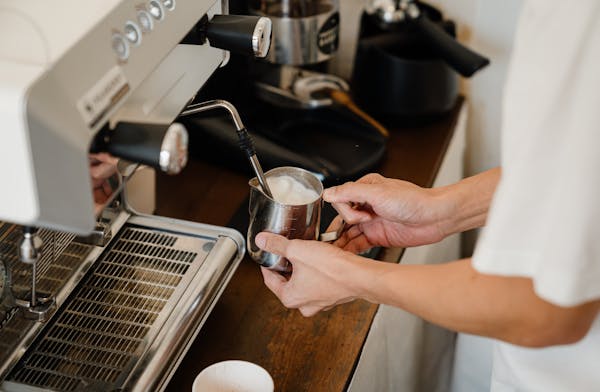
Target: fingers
<point>309,287</point>
<point>102,167</point>
<point>107,188</point>
<point>355,192</point>
<point>353,239</point>
<point>309,311</point>
<point>100,197</point>
<point>103,157</point>
<point>371,178</point>
<point>348,235</point>
<point>274,281</point>
<point>98,182</point>
<point>273,243</point>
<point>352,215</point>
<point>102,170</point>
<point>353,200</point>
<point>102,192</point>
<point>358,245</point>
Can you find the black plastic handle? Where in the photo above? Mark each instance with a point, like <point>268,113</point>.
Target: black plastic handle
<point>144,143</point>
<point>242,34</point>
<point>462,59</point>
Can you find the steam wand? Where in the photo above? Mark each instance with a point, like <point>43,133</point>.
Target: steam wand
<point>245,141</point>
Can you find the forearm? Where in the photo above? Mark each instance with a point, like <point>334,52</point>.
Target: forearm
<point>459,298</point>
<point>468,200</point>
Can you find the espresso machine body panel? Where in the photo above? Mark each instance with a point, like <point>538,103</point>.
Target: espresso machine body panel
<point>95,64</point>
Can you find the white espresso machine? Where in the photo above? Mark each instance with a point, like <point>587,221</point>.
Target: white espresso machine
<point>93,295</point>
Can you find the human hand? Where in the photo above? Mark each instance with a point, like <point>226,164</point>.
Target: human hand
<point>103,166</point>
<point>387,212</point>
<point>322,276</point>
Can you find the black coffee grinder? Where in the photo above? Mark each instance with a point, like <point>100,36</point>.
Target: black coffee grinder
<point>408,60</point>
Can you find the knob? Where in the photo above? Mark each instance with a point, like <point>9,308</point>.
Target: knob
<point>242,34</point>
<point>164,147</point>
<point>30,247</point>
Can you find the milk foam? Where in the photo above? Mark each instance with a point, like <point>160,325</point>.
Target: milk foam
<point>288,190</point>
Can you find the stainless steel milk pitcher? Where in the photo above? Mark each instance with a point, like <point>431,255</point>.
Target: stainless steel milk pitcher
<point>292,221</point>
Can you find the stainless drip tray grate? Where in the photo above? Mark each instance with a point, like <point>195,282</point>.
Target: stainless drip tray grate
<point>52,268</point>
<point>60,259</point>
<point>108,322</point>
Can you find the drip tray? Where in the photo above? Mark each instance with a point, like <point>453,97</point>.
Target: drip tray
<point>132,317</point>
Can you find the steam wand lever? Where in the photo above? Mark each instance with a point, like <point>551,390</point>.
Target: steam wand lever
<point>38,307</point>
<point>245,141</point>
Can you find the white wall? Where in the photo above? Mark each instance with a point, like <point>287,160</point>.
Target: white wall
<point>485,25</point>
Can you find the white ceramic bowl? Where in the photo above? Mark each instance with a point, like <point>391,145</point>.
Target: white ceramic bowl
<point>233,376</point>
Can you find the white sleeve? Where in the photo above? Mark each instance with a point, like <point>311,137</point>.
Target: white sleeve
<point>545,217</point>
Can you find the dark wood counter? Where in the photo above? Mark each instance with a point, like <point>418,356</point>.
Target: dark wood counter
<point>248,322</point>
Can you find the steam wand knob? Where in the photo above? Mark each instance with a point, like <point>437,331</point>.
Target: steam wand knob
<point>242,34</point>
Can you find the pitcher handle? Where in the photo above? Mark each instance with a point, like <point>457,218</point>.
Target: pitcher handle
<point>331,236</point>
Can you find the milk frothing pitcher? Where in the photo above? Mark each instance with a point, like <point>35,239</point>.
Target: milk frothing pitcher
<point>300,221</point>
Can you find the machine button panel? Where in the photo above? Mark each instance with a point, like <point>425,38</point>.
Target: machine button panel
<point>169,4</point>
<point>156,9</point>
<point>145,20</point>
<point>133,33</point>
<point>120,46</point>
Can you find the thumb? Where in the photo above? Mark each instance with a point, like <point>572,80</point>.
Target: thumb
<point>272,243</point>
<point>273,280</point>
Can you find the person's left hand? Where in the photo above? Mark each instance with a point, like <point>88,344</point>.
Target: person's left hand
<point>323,275</point>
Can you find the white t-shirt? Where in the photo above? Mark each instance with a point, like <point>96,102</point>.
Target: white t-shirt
<point>545,218</point>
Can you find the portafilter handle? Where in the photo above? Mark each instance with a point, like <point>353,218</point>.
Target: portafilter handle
<point>164,147</point>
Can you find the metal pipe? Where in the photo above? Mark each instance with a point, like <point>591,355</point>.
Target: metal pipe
<point>215,104</point>
<point>245,141</point>
<point>33,300</point>
<point>262,180</point>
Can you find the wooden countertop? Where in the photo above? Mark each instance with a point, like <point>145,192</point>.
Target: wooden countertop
<point>249,323</point>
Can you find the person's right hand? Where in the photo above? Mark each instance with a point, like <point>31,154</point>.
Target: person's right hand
<point>102,167</point>
<point>387,212</point>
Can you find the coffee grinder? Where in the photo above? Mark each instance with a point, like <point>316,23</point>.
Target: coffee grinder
<point>305,37</point>
<point>304,31</point>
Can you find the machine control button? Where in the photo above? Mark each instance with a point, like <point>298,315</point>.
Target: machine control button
<point>120,46</point>
<point>169,4</point>
<point>133,33</point>
<point>156,9</point>
<point>145,20</point>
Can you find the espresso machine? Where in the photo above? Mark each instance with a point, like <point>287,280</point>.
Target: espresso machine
<point>95,296</point>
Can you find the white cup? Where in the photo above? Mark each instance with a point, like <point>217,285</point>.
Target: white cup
<point>233,376</point>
